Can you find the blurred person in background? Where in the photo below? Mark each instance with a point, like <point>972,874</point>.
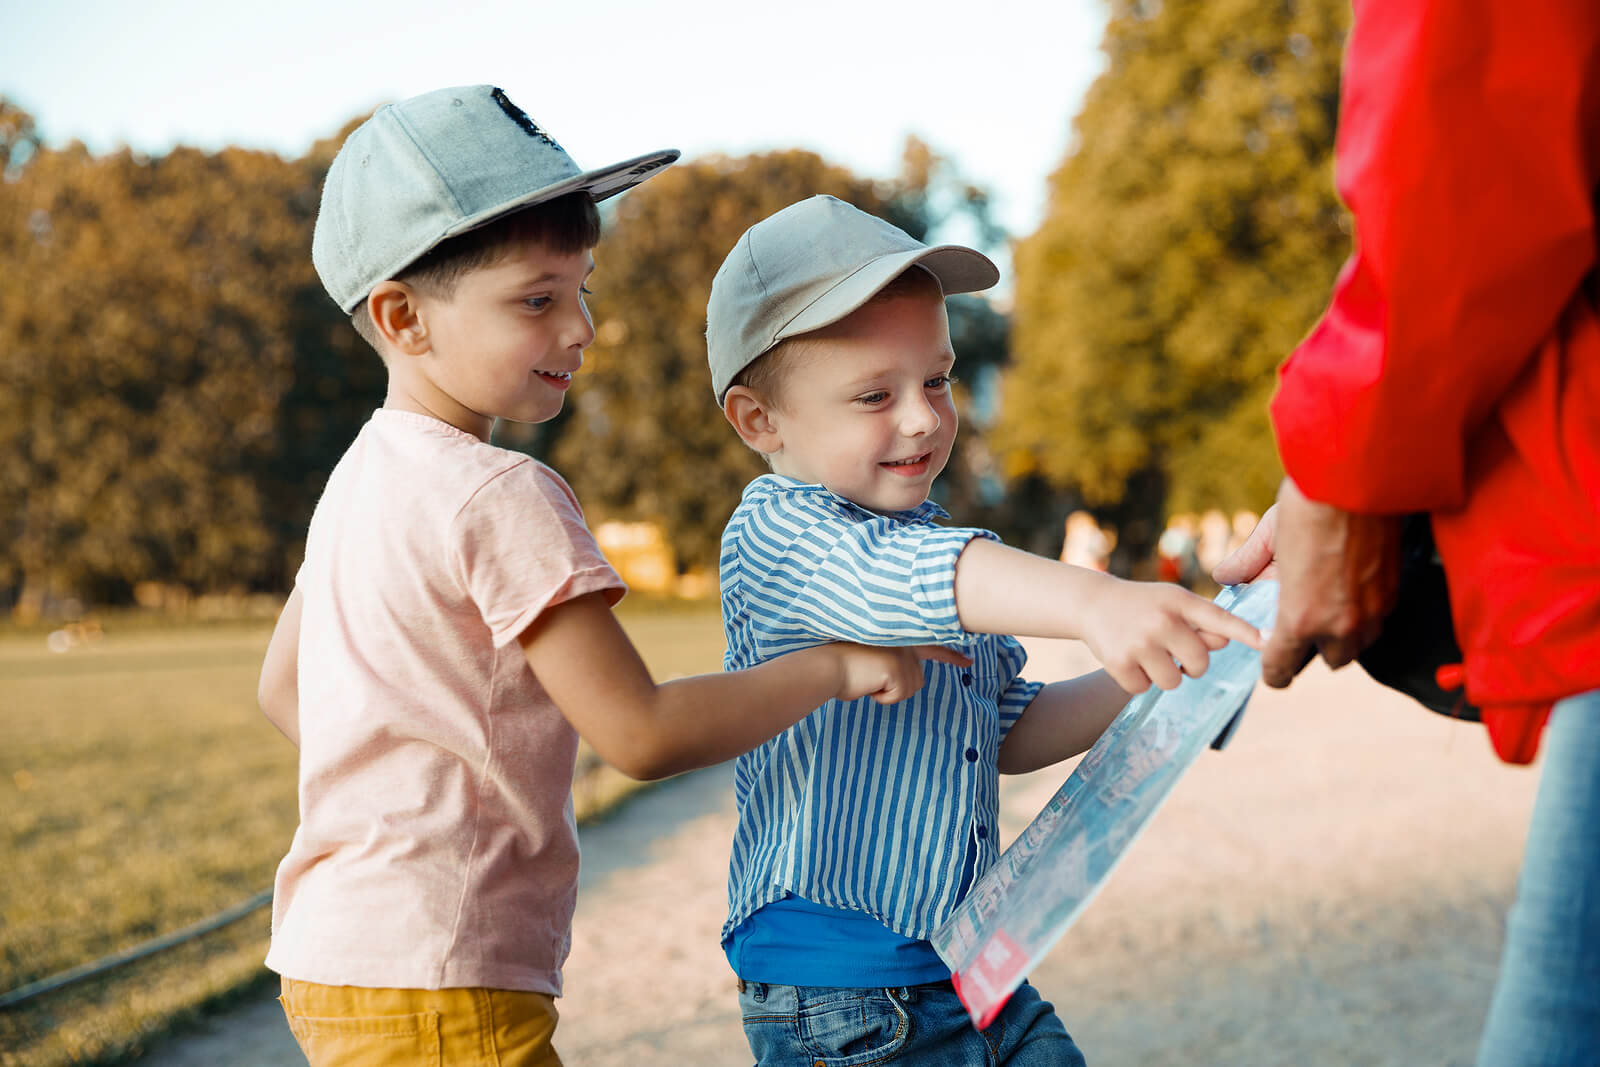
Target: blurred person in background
<point>1084,543</point>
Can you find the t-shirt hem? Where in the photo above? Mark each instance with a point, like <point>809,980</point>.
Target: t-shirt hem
<point>372,973</point>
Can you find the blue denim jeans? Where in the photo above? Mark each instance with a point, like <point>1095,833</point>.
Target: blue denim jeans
<point>813,1026</point>
<point>1546,1007</point>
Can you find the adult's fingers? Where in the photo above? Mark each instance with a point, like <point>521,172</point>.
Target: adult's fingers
<point>1341,650</point>
<point>1283,657</point>
<point>1253,559</point>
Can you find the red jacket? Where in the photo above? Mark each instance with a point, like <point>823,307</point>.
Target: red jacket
<point>1457,368</point>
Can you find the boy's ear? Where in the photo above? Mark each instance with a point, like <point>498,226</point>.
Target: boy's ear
<point>395,312</point>
<point>752,418</point>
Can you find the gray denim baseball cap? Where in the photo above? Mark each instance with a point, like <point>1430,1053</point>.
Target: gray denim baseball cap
<point>809,266</point>
<point>433,167</point>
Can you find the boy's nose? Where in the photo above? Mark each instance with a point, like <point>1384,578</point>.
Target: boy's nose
<point>580,329</point>
<point>919,417</point>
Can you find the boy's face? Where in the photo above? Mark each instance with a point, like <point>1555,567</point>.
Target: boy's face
<point>866,410</point>
<point>506,343</point>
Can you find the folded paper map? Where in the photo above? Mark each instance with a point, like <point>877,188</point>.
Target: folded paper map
<point>1041,884</point>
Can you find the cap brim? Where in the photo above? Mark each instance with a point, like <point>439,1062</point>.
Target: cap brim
<point>599,184</point>
<point>959,270</point>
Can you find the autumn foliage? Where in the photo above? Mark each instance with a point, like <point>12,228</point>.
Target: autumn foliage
<point>175,385</point>
<point>1190,241</point>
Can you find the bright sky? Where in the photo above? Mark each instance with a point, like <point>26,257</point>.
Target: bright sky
<point>993,84</point>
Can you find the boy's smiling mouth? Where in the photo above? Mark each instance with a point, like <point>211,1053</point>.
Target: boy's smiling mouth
<point>555,375</point>
<point>914,465</point>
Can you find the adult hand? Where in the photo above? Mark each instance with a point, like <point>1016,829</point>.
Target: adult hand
<point>1337,571</point>
<point>1254,559</point>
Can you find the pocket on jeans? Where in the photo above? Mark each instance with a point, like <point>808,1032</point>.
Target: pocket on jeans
<point>369,1041</point>
<point>853,1028</point>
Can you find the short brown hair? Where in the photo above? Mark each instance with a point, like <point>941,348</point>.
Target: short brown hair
<point>564,225</point>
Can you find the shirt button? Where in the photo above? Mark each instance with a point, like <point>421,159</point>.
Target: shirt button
<point>972,755</point>
<point>983,832</point>
<point>966,678</point>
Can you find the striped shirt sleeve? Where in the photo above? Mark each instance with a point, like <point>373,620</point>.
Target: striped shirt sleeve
<point>813,569</point>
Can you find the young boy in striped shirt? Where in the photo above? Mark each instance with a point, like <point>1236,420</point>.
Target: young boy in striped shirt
<point>862,826</point>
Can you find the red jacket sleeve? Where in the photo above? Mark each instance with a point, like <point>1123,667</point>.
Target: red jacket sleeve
<point>1461,154</point>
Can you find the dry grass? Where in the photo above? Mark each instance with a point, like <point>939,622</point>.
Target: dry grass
<point>140,791</point>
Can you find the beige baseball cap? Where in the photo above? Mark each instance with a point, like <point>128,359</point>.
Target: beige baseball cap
<point>810,265</point>
<point>435,166</point>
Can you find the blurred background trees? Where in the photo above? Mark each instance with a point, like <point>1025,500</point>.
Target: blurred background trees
<point>1190,241</point>
<point>175,386</point>
<point>172,380</point>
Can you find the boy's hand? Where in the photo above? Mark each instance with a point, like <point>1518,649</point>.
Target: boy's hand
<point>887,675</point>
<point>1148,633</point>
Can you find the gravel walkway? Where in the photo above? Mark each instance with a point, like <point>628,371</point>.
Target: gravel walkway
<point>1329,890</point>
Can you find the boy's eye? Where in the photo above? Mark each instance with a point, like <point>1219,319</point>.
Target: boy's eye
<point>872,398</point>
<point>939,382</point>
<point>537,303</point>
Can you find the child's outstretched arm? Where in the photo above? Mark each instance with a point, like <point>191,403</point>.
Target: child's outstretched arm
<point>1063,719</point>
<point>1145,633</point>
<point>278,690</point>
<point>591,670</point>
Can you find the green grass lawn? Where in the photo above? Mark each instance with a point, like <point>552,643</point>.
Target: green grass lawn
<point>141,790</point>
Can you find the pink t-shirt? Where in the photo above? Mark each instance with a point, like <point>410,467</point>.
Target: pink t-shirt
<point>436,845</point>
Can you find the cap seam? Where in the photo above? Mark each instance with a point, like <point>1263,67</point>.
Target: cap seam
<point>859,268</point>
<point>449,187</point>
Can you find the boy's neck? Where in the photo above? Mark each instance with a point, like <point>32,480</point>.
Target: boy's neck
<point>440,407</point>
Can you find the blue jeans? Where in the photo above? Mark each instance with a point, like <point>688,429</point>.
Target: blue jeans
<point>817,1026</point>
<point>1546,1007</point>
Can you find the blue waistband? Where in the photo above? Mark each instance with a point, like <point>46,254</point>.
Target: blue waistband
<point>795,941</point>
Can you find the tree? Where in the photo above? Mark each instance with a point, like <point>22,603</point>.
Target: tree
<point>170,310</point>
<point>643,437</point>
<point>1190,241</point>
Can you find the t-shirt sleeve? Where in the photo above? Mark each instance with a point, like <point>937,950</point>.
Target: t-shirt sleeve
<point>523,547</point>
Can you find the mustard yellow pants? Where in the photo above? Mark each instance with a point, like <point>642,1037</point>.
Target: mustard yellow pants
<point>350,1026</point>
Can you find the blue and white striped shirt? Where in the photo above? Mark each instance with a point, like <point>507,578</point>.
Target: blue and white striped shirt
<point>861,805</point>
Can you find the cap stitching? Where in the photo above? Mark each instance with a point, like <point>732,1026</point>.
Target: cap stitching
<point>859,268</point>
<point>411,135</point>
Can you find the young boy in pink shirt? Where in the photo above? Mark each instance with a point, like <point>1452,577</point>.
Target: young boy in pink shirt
<point>450,632</point>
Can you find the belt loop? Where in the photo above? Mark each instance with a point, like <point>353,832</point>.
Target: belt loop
<point>760,991</point>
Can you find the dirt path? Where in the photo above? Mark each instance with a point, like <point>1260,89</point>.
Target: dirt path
<point>1329,890</point>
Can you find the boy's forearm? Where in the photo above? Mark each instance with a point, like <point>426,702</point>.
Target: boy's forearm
<point>709,718</point>
<point>1003,590</point>
<point>1064,719</point>
<point>594,674</point>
